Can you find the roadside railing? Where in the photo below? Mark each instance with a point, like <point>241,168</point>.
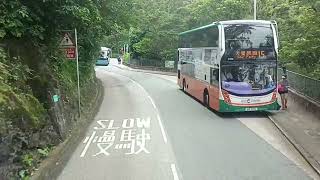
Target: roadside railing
<point>155,65</point>
<point>302,84</point>
<point>146,62</point>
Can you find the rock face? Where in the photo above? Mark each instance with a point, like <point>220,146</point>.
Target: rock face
<point>4,151</point>
<point>16,142</point>
<point>41,139</point>
<point>15,145</point>
<point>61,117</point>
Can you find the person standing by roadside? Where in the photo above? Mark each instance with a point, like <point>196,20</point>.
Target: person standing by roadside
<point>119,59</point>
<point>283,89</point>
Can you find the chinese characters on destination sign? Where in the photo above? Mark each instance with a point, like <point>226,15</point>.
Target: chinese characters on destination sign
<point>129,137</point>
<point>250,54</point>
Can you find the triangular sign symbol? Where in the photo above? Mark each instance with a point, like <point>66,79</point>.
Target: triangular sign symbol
<point>66,41</point>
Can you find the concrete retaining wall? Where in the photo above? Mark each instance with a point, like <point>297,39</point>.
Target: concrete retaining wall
<point>306,103</point>
<point>151,68</point>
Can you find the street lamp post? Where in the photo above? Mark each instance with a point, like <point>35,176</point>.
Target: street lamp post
<point>255,9</point>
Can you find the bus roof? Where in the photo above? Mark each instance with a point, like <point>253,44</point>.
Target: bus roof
<point>246,22</point>
<point>105,49</point>
<point>228,22</point>
<point>199,28</point>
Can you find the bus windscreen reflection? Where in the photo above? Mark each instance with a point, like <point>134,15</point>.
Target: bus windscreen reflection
<point>248,79</point>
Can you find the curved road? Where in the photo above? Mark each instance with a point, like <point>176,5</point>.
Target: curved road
<point>147,129</point>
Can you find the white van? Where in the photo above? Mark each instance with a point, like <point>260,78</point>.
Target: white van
<point>105,52</point>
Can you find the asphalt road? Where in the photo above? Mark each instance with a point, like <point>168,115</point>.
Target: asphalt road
<point>147,129</point>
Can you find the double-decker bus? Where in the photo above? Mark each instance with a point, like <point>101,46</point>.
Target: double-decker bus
<point>230,66</point>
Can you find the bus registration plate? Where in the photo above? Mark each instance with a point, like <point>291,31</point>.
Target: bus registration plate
<point>251,109</point>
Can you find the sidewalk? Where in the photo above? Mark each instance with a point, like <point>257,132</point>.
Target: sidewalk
<point>302,129</point>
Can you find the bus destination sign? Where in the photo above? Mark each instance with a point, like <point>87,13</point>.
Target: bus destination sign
<point>250,54</point>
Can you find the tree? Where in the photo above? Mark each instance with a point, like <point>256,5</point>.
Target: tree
<point>33,67</point>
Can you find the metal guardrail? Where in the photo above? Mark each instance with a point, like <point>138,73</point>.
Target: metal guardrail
<point>152,63</point>
<point>149,64</point>
<point>302,84</point>
<point>146,62</point>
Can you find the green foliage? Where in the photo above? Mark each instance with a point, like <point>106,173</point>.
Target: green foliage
<point>144,47</point>
<point>32,66</point>
<point>16,101</point>
<point>44,152</point>
<point>126,57</point>
<point>27,160</point>
<point>14,17</point>
<point>30,160</point>
<point>29,108</point>
<point>32,31</point>
<point>23,174</point>
<point>207,11</point>
<point>155,25</point>
<point>299,25</point>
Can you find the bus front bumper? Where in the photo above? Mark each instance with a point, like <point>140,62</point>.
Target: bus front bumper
<point>224,107</point>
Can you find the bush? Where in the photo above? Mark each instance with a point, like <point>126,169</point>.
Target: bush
<point>126,57</point>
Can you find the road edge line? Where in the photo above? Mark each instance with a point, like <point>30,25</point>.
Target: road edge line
<point>164,135</point>
<point>174,172</point>
<point>152,102</point>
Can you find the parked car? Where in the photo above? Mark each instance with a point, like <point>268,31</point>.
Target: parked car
<point>102,61</point>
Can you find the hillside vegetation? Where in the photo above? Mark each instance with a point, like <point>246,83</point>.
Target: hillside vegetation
<point>33,69</point>
<point>153,34</point>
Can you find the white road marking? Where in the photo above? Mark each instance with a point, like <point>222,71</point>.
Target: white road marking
<point>173,167</point>
<point>85,140</point>
<point>263,128</point>
<point>88,144</point>
<point>155,107</point>
<point>153,104</point>
<point>267,131</point>
<point>162,129</point>
<point>95,139</point>
<point>174,172</point>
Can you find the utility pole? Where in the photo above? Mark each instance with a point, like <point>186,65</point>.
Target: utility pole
<point>78,73</point>
<point>255,9</point>
<point>129,37</point>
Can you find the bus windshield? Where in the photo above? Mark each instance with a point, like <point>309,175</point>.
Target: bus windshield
<point>247,42</point>
<point>248,78</point>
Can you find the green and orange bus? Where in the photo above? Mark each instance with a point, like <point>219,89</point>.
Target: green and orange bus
<point>230,66</point>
